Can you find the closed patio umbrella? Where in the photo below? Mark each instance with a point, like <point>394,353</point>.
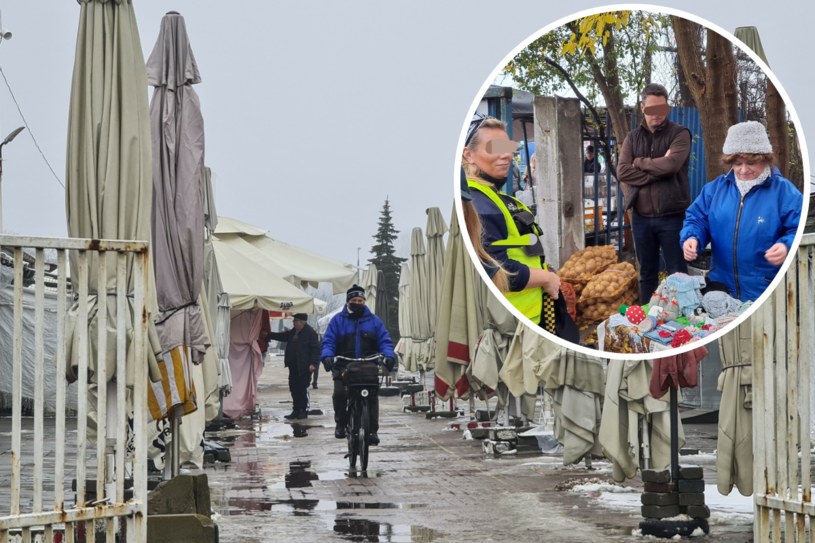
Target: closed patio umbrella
<point>369,282</point>
<point>404,345</point>
<point>575,382</point>
<point>734,457</point>
<point>630,416</point>
<point>459,320</point>
<point>419,312</point>
<point>435,259</point>
<point>108,189</point>
<point>178,226</point>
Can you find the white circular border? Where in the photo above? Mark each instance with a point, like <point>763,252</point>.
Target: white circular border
<point>688,346</point>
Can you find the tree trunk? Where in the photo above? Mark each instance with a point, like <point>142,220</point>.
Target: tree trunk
<point>608,80</point>
<point>712,85</point>
<point>777,128</point>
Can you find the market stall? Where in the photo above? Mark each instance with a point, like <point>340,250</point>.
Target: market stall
<point>683,309</point>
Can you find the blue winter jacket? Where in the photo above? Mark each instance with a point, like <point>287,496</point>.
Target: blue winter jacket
<point>356,338</point>
<point>741,232</point>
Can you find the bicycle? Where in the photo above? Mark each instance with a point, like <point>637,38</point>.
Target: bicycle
<point>361,377</point>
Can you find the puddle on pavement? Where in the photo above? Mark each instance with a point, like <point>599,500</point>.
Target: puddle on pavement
<point>355,529</point>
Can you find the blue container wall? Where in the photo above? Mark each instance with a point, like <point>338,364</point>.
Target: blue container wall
<point>689,117</point>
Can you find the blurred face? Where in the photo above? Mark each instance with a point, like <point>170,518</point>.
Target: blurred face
<point>493,153</point>
<point>747,170</point>
<point>357,300</point>
<point>655,110</point>
<point>298,324</point>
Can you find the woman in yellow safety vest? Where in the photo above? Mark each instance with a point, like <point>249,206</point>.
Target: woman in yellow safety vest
<point>509,229</point>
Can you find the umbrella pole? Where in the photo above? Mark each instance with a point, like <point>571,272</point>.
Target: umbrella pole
<point>674,436</point>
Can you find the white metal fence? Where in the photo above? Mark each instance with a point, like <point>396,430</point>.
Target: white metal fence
<point>783,347</point>
<point>41,459</point>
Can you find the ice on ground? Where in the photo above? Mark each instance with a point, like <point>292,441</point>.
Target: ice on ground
<point>732,510</point>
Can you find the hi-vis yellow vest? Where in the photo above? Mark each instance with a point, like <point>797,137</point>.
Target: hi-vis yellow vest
<point>529,301</point>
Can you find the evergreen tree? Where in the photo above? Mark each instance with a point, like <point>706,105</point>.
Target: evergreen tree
<point>389,266</point>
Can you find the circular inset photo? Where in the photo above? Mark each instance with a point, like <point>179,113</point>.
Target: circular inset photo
<point>633,181</point>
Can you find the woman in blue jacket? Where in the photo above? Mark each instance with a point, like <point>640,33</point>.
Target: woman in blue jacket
<point>749,215</point>
<point>355,332</point>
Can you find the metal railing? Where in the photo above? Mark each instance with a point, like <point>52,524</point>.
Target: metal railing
<point>783,331</point>
<point>49,463</point>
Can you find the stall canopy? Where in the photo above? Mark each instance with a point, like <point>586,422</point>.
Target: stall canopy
<point>250,285</point>
<point>298,266</point>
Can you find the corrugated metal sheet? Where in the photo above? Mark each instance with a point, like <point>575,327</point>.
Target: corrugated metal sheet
<point>689,117</point>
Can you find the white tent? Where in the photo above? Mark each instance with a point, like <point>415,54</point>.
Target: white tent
<point>253,284</point>
<point>296,265</point>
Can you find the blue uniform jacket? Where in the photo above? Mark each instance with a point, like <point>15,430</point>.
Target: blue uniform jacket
<point>356,338</point>
<point>741,232</point>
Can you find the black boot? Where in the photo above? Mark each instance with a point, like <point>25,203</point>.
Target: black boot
<point>339,431</point>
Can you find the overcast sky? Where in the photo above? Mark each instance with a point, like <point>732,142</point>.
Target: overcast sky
<point>317,111</point>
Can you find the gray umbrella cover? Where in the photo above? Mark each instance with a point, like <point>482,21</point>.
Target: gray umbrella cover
<point>178,214</point>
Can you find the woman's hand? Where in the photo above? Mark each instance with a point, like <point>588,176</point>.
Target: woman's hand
<point>689,248</point>
<point>776,254</point>
<point>549,281</point>
<point>552,284</point>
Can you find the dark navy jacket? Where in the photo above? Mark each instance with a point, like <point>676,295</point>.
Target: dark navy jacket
<point>356,338</point>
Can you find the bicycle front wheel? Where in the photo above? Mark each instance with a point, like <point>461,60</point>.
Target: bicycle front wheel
<point>364,434</point>
<point>352,433</point>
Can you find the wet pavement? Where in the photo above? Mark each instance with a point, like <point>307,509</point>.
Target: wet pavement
<point>425,483</point>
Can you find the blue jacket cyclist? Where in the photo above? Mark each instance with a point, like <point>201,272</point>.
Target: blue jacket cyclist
<point>355,332</point>
<point>749,215</point>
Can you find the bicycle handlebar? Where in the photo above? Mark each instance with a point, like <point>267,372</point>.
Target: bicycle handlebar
<point>373,358</point>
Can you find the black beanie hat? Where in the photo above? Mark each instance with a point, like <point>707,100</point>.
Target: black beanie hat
<point>354,291</point>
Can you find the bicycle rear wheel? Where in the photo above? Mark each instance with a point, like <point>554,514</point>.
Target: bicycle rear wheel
<point>352,432</point>
<point>364,434</point>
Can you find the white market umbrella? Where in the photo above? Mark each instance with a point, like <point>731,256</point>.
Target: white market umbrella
<point>630,416</point>
<point>108,189</point>
<point>405,343</point>
<point>734,458</point>
<point>576,383</point>
<point>459,318</point>
<point>435,260</point>
<point>419,314</point>
<point>369,283</point>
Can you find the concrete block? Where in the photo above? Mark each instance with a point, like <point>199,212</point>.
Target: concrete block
<point>653,476</point>
<point>693,498</point>
<point>659,511</point>
<point>691,472</point>
<point>659,498</point>
<point>659,487</point>
<point>692,486</point>
<point>695,511</point>
<point>181,495</point>
<point>181,529</point>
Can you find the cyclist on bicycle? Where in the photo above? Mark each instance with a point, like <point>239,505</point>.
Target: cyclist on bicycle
<point>355,332</point>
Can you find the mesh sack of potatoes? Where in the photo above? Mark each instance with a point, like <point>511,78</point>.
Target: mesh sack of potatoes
<point>585,264</point>
<point>608,286</point>
<point>601,310</point>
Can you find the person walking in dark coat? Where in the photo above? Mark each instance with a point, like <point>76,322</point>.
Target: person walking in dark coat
<point>302,356</point>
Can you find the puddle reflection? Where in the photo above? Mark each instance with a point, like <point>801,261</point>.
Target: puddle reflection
<point>355,529</point>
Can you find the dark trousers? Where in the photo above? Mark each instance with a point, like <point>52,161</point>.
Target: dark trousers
<point>314,376</point>
<point>298,386</point>
<point>340,398</point>
<point>650,235</point>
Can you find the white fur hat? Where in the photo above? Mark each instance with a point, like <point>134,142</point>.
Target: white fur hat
<point>748,137</point>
